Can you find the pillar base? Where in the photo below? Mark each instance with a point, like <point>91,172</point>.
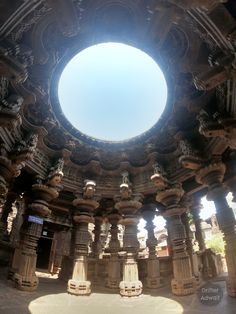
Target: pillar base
<point>6,250</point>
<point>77,287</point>
<point>231,287</point>
<point>153,280</point>
<point>131,288</point>
<point>154,283</point>
<point>183,287</point>
<point>25,283</point>
<point>113,283</point>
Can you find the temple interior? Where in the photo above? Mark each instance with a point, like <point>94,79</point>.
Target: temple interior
<point>70,203</point>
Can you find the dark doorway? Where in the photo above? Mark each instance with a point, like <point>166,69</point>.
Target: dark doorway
<point>44,249</point>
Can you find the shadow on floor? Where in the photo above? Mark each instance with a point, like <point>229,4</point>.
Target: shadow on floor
<point>51,297</point>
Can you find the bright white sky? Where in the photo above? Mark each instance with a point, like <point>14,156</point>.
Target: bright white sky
<point>112,91</point>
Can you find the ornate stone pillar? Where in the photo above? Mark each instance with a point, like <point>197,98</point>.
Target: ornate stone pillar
<point>128,206</point>
<point>42,194</point>
<point>170,195</point>
<point>207,271</point>
<point>11,163</point>
<point>195,210</point>
<point>114,247</point>
<point>6,247</point>
<point>6,209</point>
<point>212,176</point>
<point>153,267</point>
<point>96,245</point>
<point>6,174</point>
<point>169,244</point>
<point>189,237</point>
<point>85,205</point>
<point>25,278</point>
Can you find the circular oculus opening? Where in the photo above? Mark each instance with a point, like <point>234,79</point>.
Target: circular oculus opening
<point>112,92</point>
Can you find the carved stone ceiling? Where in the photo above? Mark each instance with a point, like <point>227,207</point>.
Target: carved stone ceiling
<point>184,38</point>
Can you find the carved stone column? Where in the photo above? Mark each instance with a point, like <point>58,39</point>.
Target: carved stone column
<point>195,210</point>
<point>96,245</point>
<point>11,163</point>
<point>6,174</point>
<point>114,247</point>
<point>6,247</point>
<point>153,267</point>
<point>212,176</point>
<point>42,194</point>
<point>25,278</point>
<point>189,237</point>
<point>6,209</point>
<point>128,206</point>
<point>85,205</point>
<point>170,195</point>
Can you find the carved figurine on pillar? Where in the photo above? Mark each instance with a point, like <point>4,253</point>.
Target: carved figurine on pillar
<point>218,126</point>
<point>153,268</point>
<point>222,68</point>
<point>113,280</point>
<point>170,195</point>
<point>212,176</point>
<point>42,194</point>
<point>85,205</point>
<point>10,105</point>
<point>128,205</point>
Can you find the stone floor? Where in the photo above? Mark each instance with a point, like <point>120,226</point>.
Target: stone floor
<point>51,298</point>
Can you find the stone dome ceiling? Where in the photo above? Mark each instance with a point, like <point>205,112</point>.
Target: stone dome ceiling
<point>188,41</point>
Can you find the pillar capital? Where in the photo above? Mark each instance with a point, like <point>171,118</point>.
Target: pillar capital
<point>212,176</point>
<point>171,196</point>
<point>127,203</point>
<point>190,157</point>
<point>86,201</point>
